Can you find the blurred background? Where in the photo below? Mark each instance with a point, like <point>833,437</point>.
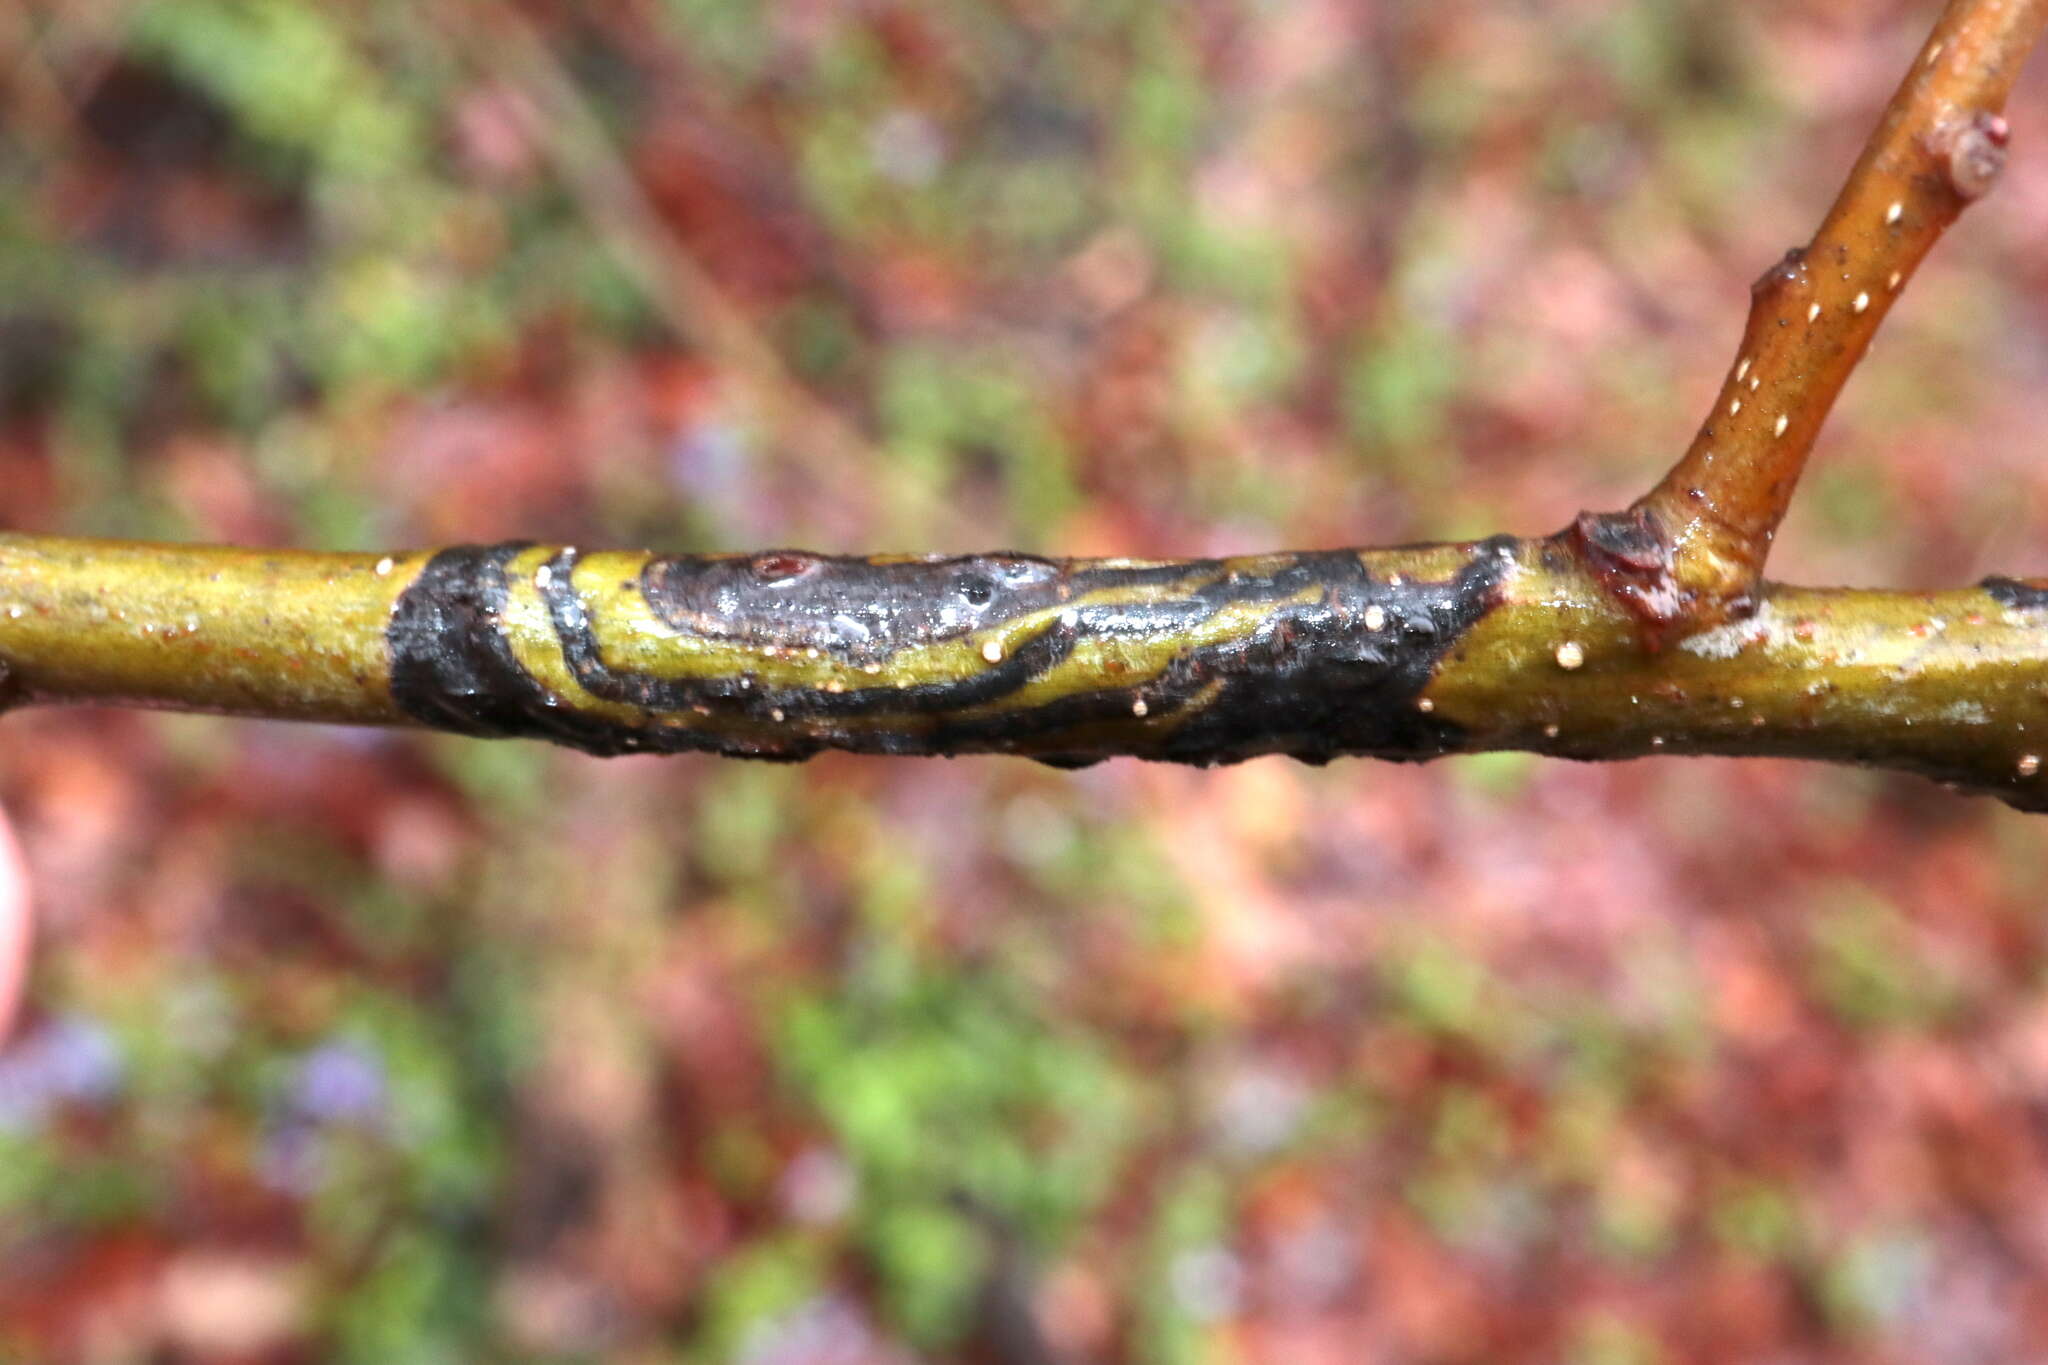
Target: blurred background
<point>383,1047</point>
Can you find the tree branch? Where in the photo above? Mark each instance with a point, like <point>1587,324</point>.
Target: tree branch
<point>1406,653</point>
<point>1691,553</point>
<point>1627,634</point>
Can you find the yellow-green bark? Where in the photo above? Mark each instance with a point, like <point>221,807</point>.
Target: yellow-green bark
<point>1404,653</point>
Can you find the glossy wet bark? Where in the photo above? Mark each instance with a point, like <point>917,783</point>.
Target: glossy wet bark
<point>1406,654</point>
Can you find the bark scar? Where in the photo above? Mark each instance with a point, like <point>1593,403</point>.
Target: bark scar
<point>1973,152</point>
<point>1630,555</point>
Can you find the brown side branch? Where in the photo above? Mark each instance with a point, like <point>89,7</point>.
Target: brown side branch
<point>1690,555</point>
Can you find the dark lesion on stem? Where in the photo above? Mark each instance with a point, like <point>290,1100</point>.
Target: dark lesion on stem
<point>781,655</point>
<point>2017,594</point>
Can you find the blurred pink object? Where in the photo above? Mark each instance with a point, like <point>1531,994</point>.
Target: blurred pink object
<point>14,927</point>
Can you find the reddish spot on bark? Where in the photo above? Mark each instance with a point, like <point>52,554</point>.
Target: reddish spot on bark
<point>1631,557</point>
<point>779,566</point>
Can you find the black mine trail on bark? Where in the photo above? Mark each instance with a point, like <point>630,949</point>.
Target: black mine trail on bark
<point>2016,593</point>
<point>1322,658</point>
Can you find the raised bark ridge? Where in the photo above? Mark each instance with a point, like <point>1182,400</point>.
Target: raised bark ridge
<point>782,654</point>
